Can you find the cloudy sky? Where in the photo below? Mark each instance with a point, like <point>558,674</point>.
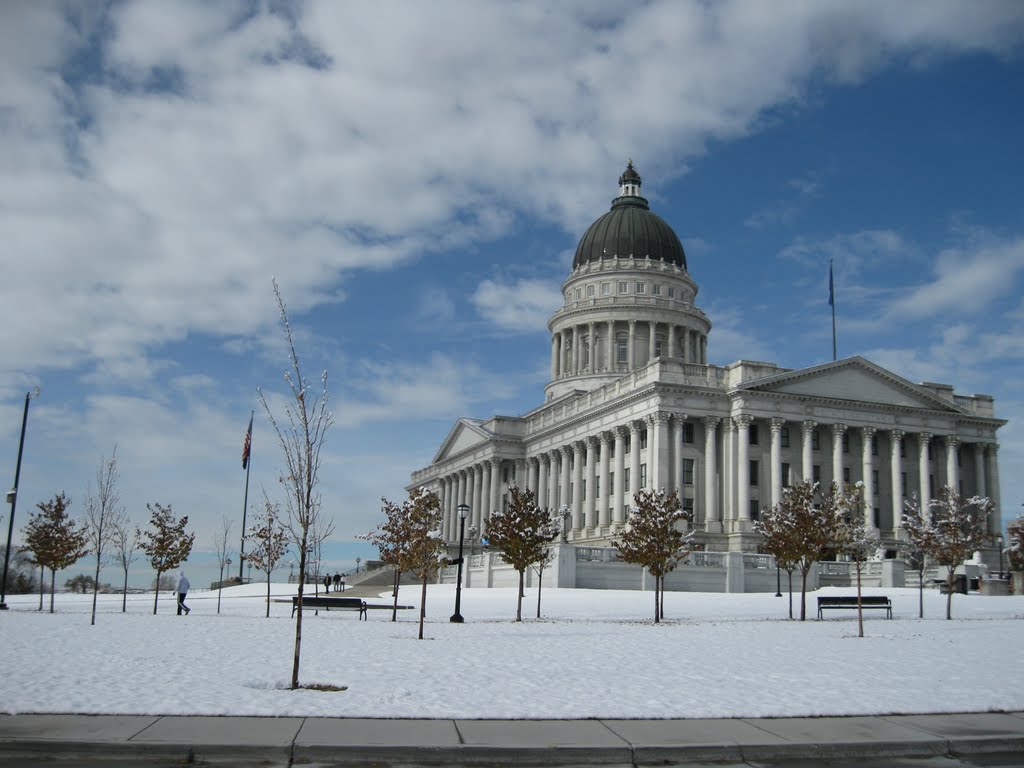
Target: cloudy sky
<point>416,177</point>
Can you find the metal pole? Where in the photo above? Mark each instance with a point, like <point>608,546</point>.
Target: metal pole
<point>457,616</point>
<point>14,500</point>
<point>778,580</point>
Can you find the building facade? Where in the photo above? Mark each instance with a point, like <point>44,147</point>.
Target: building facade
<point>633,403</point>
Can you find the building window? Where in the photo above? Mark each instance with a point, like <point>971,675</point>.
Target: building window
<point>583,490</point>
<point>643,439</point>
<point>785,475</point>
<point>611,483</point>
<point>504,503</point>
<point>658,342</point>
<point>846,474</point>
<point>846,442</point>
<point>578,294</point>
<point>929,451</point>
<point>597,487</point>
<point>628,442</point>
<point>784,437</point>
<point>606,289</point>
<point>585,351</point>
<point>687,471</point>
<point>816,473</point>
<point>643,475</point>
<point>622,350</point>
<point>755,509</point>
<point>878,517</point>
<point>931,486</point>
<point>903,482</point>
<point>753,472</point>
<point>874,481</point>
<point>753,434</point>
<point>815,440</point>
<point>874,445</point>
<point>688,506</point>
<point>591,291</point>
<point>656,289</point>
<point>641,288</point>
<point>903,449</point>
<point>687,432</point>
<point>625,480</point>
<point>671,292</point>
<point>623,286</point>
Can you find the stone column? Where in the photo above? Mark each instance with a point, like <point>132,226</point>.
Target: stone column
<point>564,456</point>
<point>776,456</point>
<point>704,350</point>
<point>495,505</point>
<point>671,340</point>
<point>896,471</point>
<point>742,423</point>
<point>577,486</point>
<point>652,326</point>
<point>634,461</point>
<point>554,356</point>
<point>632,344</point>
<point>603,486</point>
<point>712,515</point>
<point>542,486</point>
<point>952,463</point>
<point>868,475</point>
<point>591,349</point>
<point>485,496</point>
<point>837,454</point>
<point>446,507</point>
<point>979,469</point>
<point>924,491</point>
<point>686,345</point>
<point>728,470</point>
<point>676,474</point>
<point>995,519</point>
<point>658,449</point>
<point>589,507</point>
<point>478,496</point>
<point>575,350</point>
<point>807,450</point>
<point>533,475</point>
<point>610,362</point>
<point>618,498</point>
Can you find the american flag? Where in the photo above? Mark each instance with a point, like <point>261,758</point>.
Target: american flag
<point>247,445</point>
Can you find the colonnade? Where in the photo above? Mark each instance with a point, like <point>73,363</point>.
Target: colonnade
<point>592,347</point>
<point>596,476</point>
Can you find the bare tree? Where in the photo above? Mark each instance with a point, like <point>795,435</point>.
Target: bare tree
<point>103,513</point>
<point>521,533</point>
<point>389,538</point>
<point>954,530</point>
<point>221,548</point>
<point>301,435</point>
<point>854,537</point>
<point>166,543</point>
<point>912,547</point>
<point>269,542</point>
<point>126,539</point>
<point>780,540</point>
<point>653,538</point>
<point>54,539</point>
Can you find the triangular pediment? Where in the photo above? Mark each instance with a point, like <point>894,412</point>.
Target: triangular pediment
<point>466,434</point>
<point>854,379</point>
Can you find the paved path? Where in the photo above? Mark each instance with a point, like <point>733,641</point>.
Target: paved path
<point>908,741</point>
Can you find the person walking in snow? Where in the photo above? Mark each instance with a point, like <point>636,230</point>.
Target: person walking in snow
<point>337,581</point>
<point>183,586</point>
<point>327,583</point>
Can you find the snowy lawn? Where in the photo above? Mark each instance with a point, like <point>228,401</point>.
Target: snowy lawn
<point>595,654</point>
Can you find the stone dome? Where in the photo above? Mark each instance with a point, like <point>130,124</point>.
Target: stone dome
<point>630,229</point>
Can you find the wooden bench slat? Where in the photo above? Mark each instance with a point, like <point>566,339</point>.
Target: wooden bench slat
<point>840,602</point>
<point>338,603</point>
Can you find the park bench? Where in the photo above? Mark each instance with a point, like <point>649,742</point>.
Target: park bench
<point>840,602</point>
<point>331,603</point>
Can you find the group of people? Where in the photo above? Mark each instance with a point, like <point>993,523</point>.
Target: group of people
<point>338,580</point>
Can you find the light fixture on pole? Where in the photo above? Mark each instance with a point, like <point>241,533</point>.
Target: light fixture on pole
<point>999,544</point>
<point>12,499</point>
<point>778,579</point>
<point>463,510</point>
<point>564,511</point>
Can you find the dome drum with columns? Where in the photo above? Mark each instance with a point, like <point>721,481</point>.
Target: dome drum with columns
<point>633,403</point>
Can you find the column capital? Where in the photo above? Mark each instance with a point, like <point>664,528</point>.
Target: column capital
<point>952,441</point>
<point>838,428</point>
<point>533,460</point>
<point>604,437</point>
<point>743,420</point>
<point>660,417</point>
<point>635,426</point>
<point>591,441</point>
<point>897,435</point>
<point>776,423</point>
<point>711,422</point>
<point>621,431</point>
<point>579,446</point>
<point>924,437</point>
<point>868,432</point>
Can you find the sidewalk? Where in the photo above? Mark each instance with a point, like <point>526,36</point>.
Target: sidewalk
<point>909,740</point>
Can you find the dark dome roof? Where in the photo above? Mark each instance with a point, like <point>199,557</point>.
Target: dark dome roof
<point>630,229</point>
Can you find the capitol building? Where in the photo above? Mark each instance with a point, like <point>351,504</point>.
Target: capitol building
<point>633,403</point>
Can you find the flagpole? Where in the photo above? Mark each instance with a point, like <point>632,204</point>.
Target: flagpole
<point>832,303</point>
<point>245,502</point>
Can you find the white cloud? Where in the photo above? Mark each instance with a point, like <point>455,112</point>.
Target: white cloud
<point>521,305</point>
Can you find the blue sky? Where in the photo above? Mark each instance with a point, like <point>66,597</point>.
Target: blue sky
<point>416,177</point>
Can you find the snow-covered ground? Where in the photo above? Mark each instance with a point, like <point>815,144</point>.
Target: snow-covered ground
<point>594,654</point>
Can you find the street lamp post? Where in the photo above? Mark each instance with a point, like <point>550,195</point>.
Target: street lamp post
<point>472,539</point>
<point>564,511</point>
<point>463,510</point>
<point>12,497</point>
<point>999,544</point>
<point>778,579</point>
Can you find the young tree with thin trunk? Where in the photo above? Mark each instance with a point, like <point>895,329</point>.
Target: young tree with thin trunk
<point>1014,549</point>
<point>389,538</point>
<point>911,546</point>
<point>554,530</point>
<point>301,435</point>
<point>654,538</point>
<point>854,537</point>
<point>103,513</point>
<point>126,539</point>
<point>165,542</point>
<point>951,533</point>
<point>222,549</point>
<point>53,537</point>
<point>268,542</point>
<point>522,534</point>
<point>778,532</point>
